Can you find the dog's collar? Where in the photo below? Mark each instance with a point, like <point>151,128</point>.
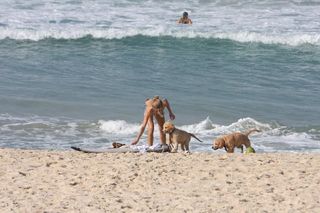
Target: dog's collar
<point>172,130</point>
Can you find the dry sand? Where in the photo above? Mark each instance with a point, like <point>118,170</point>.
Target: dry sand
<point>70,181</point>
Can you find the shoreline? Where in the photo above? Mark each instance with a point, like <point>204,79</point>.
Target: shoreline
<point>70,181</point>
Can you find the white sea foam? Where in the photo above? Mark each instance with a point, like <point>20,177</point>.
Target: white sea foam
<point>285,39</point>
<point>289,39</point>
<point>61,133</point>
<point>118,127</point>
<point>269,22</point>
<point>272,138</point>
<point>203,126</point>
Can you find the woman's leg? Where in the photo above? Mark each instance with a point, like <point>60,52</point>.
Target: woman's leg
<point>150,131</point>
<point>161,121</point>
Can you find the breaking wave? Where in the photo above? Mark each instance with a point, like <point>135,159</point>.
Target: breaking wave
<point>108,34</point>
<point>61,133</point>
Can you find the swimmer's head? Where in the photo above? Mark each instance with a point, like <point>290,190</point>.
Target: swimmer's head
<point>185,14</point>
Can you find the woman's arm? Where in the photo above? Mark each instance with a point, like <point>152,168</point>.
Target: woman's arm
<point>143,126</point>
<point>171,115</point>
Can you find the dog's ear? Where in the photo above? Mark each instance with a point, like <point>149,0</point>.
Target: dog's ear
<point>220,143</point>
<point>223,143</point>
<point>171,126</point>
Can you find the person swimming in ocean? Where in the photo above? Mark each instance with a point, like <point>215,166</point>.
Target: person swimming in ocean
<point>154,109</point>
<point>184,19</point>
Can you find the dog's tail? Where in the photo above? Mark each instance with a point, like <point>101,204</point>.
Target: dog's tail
<point>251,131</point>
<point>195,137</point>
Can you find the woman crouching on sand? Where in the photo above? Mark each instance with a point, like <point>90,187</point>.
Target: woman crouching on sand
<point>154,108</point>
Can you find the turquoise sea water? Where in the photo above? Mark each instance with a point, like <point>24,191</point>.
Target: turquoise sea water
<point>78,74</point>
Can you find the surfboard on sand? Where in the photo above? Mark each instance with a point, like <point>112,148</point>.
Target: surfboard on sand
<point>158,149</point>
<point>105,150</point>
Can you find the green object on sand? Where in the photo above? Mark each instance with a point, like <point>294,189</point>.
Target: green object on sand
<point>250,150</point>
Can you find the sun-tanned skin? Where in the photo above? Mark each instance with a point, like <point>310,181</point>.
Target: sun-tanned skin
<point>232,141</point>
<point>178,136</point>
<point>158,114</point>
<point>184,19</point>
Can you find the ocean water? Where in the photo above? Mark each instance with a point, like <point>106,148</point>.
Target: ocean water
<point>78,72</point>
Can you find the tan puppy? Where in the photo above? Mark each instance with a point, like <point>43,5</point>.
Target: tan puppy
<point>178,136</point>
<point>234,140</point>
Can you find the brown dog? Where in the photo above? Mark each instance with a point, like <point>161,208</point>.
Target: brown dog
<point>234,140</point>
<point>178,136</point>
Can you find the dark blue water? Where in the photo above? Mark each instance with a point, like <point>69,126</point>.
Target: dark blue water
<point>91,78</point>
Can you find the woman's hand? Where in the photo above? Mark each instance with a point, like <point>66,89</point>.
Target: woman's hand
<point>172,116</point>
<point>134,142</point>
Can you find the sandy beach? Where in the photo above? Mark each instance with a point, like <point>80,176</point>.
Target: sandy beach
<point>70,181</point>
